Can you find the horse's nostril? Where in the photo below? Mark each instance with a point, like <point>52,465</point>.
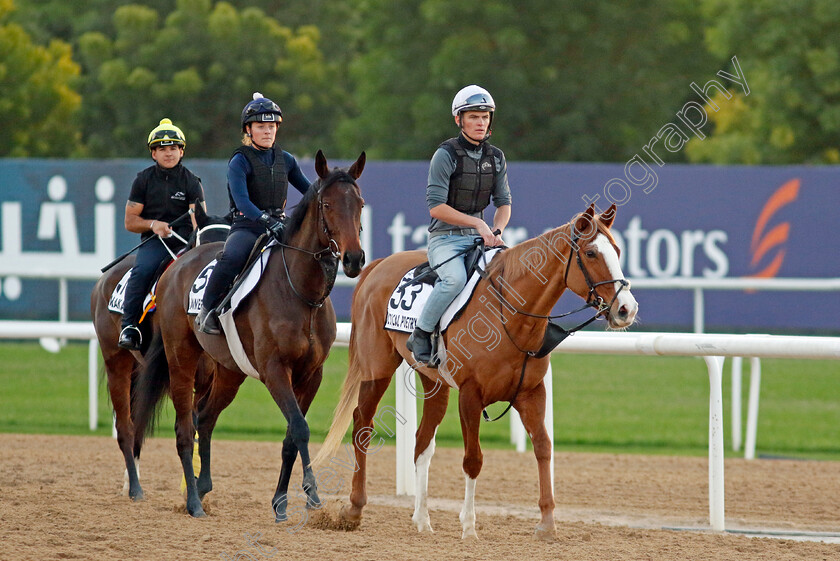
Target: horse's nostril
<point>622,312</point>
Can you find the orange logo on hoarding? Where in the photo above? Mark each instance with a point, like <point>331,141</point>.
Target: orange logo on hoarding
<point>775,238</point>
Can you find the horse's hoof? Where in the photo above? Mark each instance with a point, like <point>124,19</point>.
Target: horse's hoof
<point>136,496</point>
<point>280,517</point>
<point>544,534</point>
<point>196,510</point>
<point>351,519</point>
<point>312,500</point>
<point>198,513</point>
<point>469,534</point>
<point>424,525</point>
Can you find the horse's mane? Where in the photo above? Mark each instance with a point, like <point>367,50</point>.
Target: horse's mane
<point>295,220</point>
<point>512,266</point>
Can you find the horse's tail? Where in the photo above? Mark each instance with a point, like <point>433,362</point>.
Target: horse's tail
<point>343,411</point>
<point>349,392</point>
<point>147,391</point>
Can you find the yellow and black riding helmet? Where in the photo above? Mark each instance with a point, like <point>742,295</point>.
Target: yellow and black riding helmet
<point>166,134</point>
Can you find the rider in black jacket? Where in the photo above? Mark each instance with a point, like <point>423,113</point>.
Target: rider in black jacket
<point>160,194</point>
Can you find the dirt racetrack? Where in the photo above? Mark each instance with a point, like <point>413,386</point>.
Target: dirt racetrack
<point>60,499</point>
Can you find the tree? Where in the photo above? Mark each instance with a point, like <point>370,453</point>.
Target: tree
<point>37,97</point>
<point>791,61</point>
<point>199,66</point>
<point>572,79</point>
<point>60,19</point>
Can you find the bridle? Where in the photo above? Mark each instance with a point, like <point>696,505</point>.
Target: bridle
<point>592,298</point>
<point>554,333</point>
<point>326,257</point>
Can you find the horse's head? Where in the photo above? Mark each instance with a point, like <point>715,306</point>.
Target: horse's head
<point>341,205</point>
<point>593,271</point>
<point>210,229</point>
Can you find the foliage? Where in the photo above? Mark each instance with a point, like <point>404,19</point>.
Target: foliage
<point>788,53</point>
<point>199,66</point>
<point>37,95</point>
<point>572,80</point>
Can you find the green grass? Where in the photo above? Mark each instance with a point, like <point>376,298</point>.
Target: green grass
<point>617,404</point>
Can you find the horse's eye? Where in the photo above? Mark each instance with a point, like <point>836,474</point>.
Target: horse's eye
<point>325,205</point>
<point>590,253</point>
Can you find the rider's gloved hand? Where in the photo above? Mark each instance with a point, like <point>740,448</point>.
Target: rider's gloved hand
<point>275,227</point>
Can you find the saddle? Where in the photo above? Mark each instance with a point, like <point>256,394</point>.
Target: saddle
<point>253,257</point>
<point>424,274</point>
<point>117,299</point>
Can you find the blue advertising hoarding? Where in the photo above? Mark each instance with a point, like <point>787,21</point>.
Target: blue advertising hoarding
<point>64,218</point>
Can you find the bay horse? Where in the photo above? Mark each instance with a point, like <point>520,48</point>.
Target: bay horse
<point>121,365</point>
<point>486,352</point>
<point>286,326</point>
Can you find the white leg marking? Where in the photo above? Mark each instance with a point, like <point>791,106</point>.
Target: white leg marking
<point>421,510</point>
<point>468,512</point>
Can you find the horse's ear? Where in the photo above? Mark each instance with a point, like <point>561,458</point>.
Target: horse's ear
<point>358,167</point>
<point>200,215</point>
<point>321,165</point>
<point>585,225</point>
<point>608,216</point>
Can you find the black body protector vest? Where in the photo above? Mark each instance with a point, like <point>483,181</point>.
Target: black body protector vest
<point>267,186</point>
<point>471,185</point>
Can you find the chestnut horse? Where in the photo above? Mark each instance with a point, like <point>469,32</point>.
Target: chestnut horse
<point>486,356</point>
<point>121,365</point>
<point>286,326</point>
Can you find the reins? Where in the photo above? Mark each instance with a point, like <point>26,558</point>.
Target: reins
<point>327,257</point>
<point>554,334</point>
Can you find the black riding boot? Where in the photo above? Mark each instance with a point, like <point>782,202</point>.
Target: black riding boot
<point>420,345</point>
<point>207,321</point>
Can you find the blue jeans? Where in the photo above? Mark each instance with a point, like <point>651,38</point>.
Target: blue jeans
<point>453,276</point>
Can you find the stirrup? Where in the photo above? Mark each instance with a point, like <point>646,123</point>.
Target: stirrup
<point>419,344</point>
<point>131,338</point>
<point>207,321</point>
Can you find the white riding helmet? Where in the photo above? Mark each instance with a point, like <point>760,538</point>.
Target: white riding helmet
<point>472,98</point>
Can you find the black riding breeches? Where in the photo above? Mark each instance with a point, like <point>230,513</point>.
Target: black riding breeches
<point>238,247</point>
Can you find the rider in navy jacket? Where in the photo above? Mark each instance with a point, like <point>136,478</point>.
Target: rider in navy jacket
<point>258,177</point>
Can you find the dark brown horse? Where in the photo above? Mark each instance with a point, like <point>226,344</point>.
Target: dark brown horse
<point>121,366</point>
<point>286,326</point>
<point>487,348</point>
